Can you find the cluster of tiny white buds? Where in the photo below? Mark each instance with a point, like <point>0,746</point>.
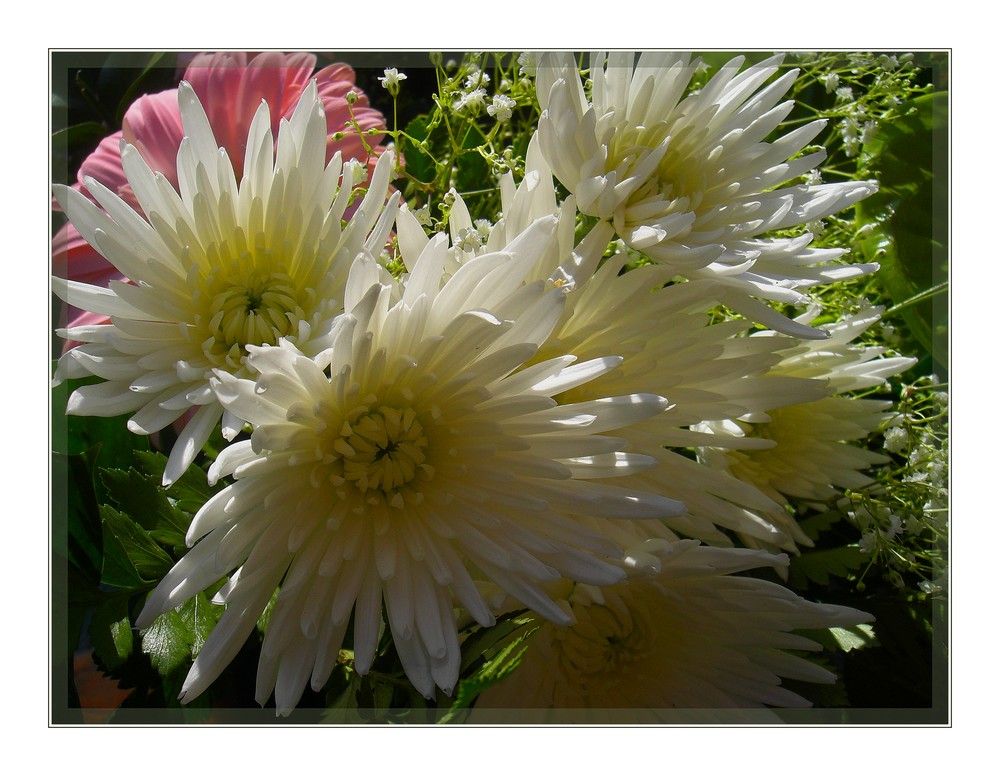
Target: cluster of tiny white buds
<point>845,94</point>
<point>484,227</point>
<point>831,81</point>
<point>852,139</point>
<point>390,81</point>
<point>867,131</point>
<point>813,178</point>
<point>897,440</point>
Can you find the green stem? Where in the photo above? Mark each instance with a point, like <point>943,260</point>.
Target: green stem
<point>926,294</point>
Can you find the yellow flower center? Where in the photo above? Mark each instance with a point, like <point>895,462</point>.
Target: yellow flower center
<point>256,310</point>
<point>381,449</point>
<point>606,638</point>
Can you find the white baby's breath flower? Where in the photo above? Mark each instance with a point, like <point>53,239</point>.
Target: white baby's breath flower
<point>475,98</point>
<point>896,440</point>
<point>391,80</point>
<point>476,78</point>
<point>423,215</point>
<point>502,107</point>
<point>215,268</point>
<point>421,443</point>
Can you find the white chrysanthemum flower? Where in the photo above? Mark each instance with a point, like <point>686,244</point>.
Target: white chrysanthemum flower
<point>691,635</point>
<point>668,347</point>
<point>214,268</point>
<point>417,450</point>
<point>807,451</point>
<point>691,181</point>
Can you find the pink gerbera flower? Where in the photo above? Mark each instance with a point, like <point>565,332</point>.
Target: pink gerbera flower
<point>230,86</point>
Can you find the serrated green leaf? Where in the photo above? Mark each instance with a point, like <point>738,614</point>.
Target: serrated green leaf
<point>143,498</point>
<point>190,492</point>
<point>842,639</point>
<point>853,637</point>
<point>496,669</point>
<point>166,642</point>
<point>111,631</point>
<point>479,644</point>
<point>135,494</point>
<point>816,524</point>
<point>344,708</point>
<point>818,565</point>
<point>176,637</point>
<point>132,560</point>
<point>199,616</point>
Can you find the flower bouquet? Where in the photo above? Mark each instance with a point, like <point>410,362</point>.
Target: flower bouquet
<point>500,387</point>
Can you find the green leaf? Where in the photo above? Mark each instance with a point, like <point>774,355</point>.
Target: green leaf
<point>143,498</point>
<point>79,134</point>
<point>166,642</point>
<point>136,86</point>
<point>838,639</point>
<point>199,616</point>
<point>190,492</point>
<point>176,637</point>
<point>76,522</point>
<point>480,643</point>
<point>473,171</point>
<point>816,524</point>
<point>74,434</point>
<point>819,565</point>
<point>418,164</point>
<point>497,668</point>
<point>111,631</point>
<point>853,637</point>
<point>910,215</point>
<point>132,560</point>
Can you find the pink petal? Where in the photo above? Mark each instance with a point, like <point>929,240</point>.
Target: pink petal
<point>153,125</point>
<point>105,165</point>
